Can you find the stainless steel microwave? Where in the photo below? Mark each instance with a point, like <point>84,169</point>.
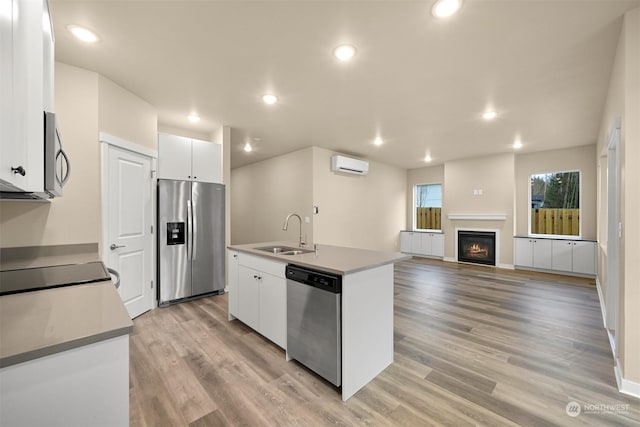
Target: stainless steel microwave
<point>55,174</point>
<point>57,168</point>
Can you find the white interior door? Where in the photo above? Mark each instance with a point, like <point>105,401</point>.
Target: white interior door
<point>128,238</point>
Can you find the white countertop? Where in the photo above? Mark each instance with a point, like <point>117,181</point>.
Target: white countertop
<point>41,323</point>
<point>334,259</point>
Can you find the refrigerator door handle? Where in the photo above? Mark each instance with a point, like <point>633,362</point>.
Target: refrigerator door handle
<point>194,232</point>
<point>189,232</point>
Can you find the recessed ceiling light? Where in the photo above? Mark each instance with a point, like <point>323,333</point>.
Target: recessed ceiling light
<point>247,148</point>
<point>269,99</point>
<point>378,141</point>
<point>344,52</point>
<point>517,145</point>
<point>490,115</point>
<point>193,118</point>
<point>83,34</point>
<point>445,8</point>
<point>427,158</point>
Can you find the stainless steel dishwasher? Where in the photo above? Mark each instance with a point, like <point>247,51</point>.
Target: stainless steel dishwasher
<point>313,321</point>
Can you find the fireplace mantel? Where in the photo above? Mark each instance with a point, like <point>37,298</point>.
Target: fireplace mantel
<point>478,217</point>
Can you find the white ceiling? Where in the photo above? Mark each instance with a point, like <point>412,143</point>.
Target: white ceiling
<point>420,83</point>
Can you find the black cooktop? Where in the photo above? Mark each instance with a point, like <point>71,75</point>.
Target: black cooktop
<point>39,278</point>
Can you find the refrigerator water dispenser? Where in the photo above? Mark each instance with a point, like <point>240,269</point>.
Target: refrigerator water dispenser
<point>175,233</point>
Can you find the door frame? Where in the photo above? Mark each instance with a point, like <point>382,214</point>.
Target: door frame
<point>612,279</point>
<point>105,141</point>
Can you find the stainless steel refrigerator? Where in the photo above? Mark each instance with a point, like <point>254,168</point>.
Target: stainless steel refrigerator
<point>190,239</point>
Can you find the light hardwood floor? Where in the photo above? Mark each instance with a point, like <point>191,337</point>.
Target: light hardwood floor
<point>473,346</point>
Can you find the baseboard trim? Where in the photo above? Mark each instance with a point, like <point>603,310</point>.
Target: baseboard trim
<point>506,266</point>
<point>503,266</point>
<point>625,386</point>
<point>603,307</point>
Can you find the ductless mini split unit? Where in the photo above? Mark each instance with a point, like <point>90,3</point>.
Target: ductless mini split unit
<point>345,164</point>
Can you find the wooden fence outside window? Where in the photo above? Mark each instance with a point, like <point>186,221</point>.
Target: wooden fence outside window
<point>555,221</point>
<point>428,218</point>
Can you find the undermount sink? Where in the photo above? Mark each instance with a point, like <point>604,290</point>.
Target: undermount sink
<point>284,250</point>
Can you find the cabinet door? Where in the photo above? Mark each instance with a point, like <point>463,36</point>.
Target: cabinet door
<point>232,284</point>
<point>542,253</point>
<point>425,243</point>
<point>48,58</point>
<point>405,241</point>
<point>206,161</point>
<point>8,150</point>
<point>584,257</point>
<point>249,297</point>
<point>416,243</point>
<point>561,255</point>
<point>273,308</point>
<point>524,252</point>
<point>437,245</point>
<point>174,157</point>
<point>24,118</point>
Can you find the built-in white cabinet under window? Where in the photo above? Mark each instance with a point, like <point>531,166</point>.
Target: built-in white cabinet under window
<point>534,253</point>
<point>258,295</point>
<point>188,159</point>
<point>567,256</point>
<point>422,243</point>
<point>574,256</point>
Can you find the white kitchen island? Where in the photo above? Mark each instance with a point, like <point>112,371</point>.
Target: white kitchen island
<point>257,297</point>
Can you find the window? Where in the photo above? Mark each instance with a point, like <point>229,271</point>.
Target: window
<point>428,206</point>
<point>555,204</point>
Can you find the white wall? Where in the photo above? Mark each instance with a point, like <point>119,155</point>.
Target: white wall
<point>494,176</point>
<point>580,158</point>
<point>264,193</point>
<point>623,100</point>
<point>123,114</point>
<point>358,211</point>
<point>426,175</point>
<point>74,218</point>
<point>86,104</point>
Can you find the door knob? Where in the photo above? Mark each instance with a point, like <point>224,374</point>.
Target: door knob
<point>113,246</point>
<point>19,170</point>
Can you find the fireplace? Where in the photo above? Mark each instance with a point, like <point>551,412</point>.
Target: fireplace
<point>478,247</point>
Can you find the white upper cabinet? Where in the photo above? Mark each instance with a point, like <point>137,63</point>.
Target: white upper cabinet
<point>174,157</point>
<point>206,161</point>
<point>189,159</point>
<point>26,91</point>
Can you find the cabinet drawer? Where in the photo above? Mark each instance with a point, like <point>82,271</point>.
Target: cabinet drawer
<point>275,268</point>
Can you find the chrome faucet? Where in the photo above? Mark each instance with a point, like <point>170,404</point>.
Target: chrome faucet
<point>301,243</point>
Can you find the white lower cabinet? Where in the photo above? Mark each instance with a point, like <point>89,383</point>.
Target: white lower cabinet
<point>273,308</point>
<point>570,256</point>
<point>562,255</point>
<point>574,256</point>
<point>84,386</point>
<point>535,253</point>
<point>584,257</point>
<point>437,245</point>
<point>422,243</point>
<point>260,296</point>
<point>232,285</point>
